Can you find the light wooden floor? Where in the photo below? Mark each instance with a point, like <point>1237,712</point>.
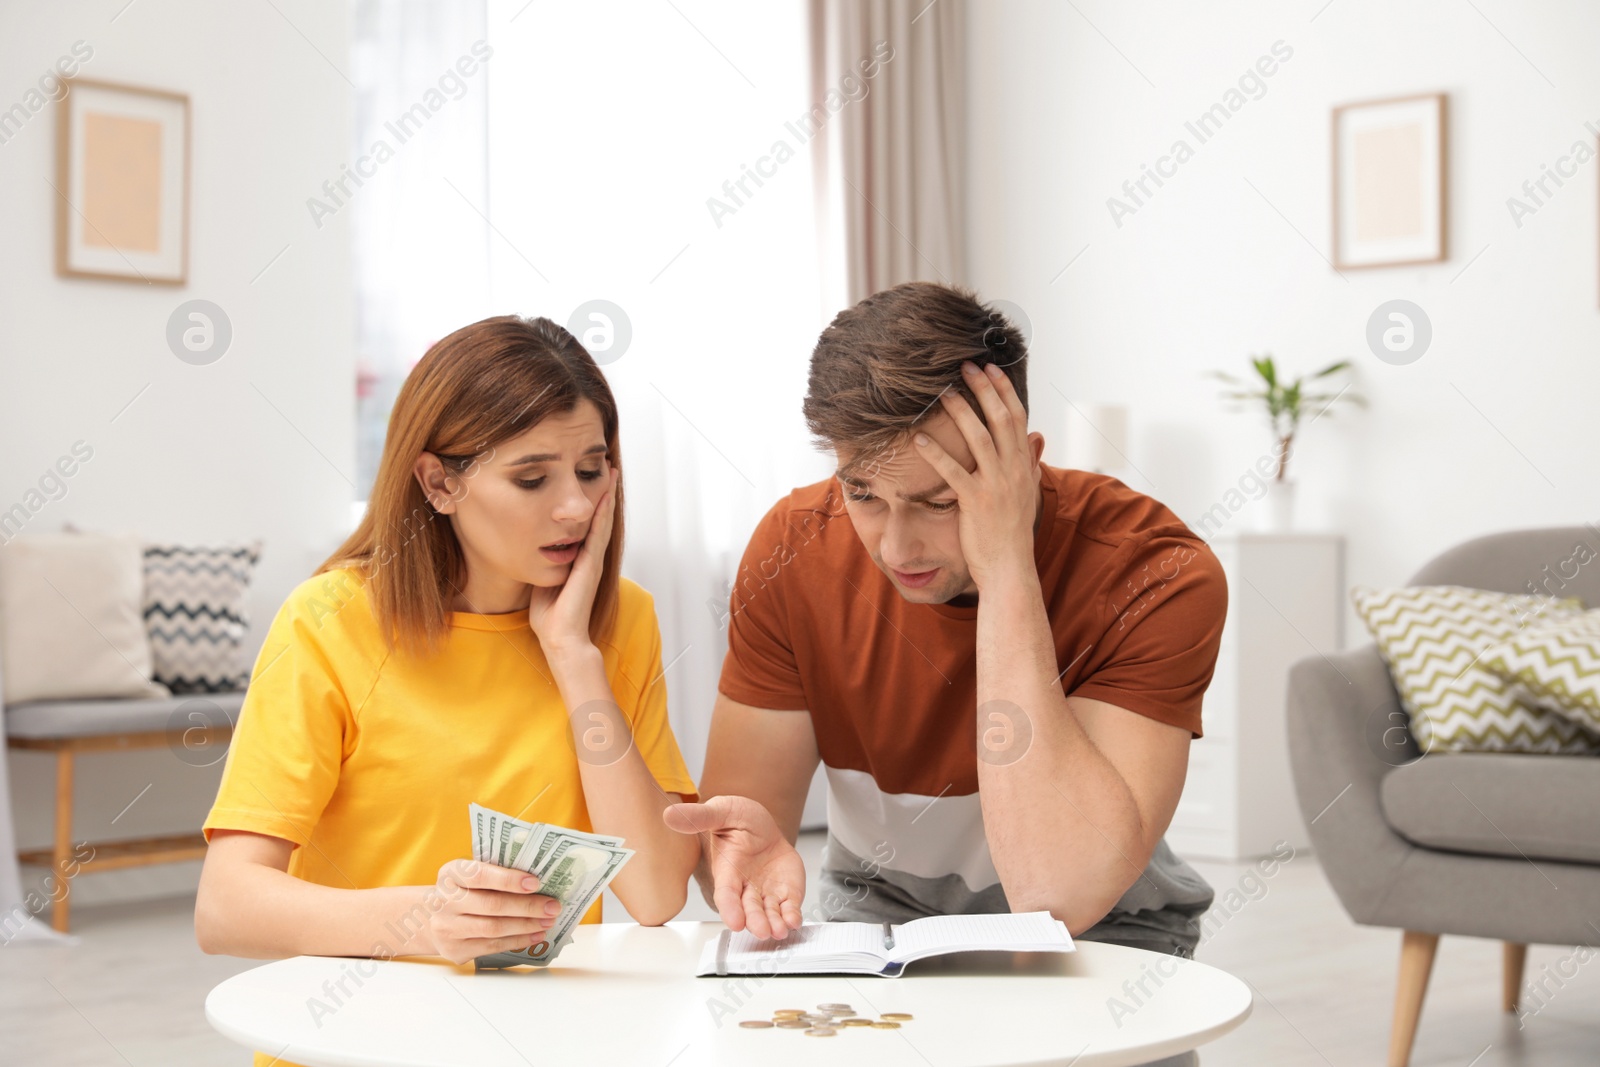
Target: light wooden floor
<point>131,992</point>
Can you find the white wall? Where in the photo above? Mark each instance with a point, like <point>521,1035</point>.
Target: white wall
<point>201,455</point>
<point>1210,269</point>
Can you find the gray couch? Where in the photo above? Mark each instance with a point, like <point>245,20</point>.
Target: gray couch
<point>1502,846</point>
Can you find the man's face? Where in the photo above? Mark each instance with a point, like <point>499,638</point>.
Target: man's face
<point>906,516</point>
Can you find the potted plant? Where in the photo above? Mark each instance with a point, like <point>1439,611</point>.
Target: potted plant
<point>1287,403</point>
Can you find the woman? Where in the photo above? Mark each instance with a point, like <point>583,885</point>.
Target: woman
<point>433,661</point>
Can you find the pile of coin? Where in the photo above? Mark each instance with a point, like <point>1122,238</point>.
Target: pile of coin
<point>827,1020</point>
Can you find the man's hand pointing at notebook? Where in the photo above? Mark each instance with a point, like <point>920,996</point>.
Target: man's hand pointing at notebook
<point>759,879</point>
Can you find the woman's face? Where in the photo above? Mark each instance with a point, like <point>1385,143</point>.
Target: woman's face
<point>524,507</point>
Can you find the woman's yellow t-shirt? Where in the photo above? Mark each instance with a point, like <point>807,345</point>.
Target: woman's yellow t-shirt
<point>367,759</point>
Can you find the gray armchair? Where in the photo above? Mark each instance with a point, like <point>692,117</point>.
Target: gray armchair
<point>1503,846</point>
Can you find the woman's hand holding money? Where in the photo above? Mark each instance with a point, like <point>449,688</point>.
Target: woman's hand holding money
<point>478,909</point>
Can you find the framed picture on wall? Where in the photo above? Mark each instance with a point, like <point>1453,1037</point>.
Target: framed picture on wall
<point>1389,182</point>
<point>122,183</point>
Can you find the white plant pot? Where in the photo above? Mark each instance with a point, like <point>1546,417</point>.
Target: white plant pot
<point>1279,516</point>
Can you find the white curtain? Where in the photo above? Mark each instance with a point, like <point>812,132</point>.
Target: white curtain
<point>420,245</point>
<point>892,163</point>
<point>653,156</point>
<point>616,133</point>
<point>724,176</point>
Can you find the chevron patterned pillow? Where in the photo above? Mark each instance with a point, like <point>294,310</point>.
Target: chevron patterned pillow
<point>1557,663</point>
<point>1434,638</point>
<point>194,614</point>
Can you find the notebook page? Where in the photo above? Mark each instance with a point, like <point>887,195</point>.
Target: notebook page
<point>811,941</point>
<point>1027,930</point>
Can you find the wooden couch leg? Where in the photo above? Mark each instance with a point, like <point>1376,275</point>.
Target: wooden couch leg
<point>62,853</point>
<point>1516,959</point>
<point>1416,964</point>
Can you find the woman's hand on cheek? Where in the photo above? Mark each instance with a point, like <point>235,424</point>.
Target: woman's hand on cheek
<point>560,615</point>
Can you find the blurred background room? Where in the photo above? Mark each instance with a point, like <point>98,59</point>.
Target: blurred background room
<point>295,198</point>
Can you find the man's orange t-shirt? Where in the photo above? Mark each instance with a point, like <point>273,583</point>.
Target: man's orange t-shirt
<point>1136,602</point>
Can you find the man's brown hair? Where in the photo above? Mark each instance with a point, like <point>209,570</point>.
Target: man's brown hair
<point>879,368</point>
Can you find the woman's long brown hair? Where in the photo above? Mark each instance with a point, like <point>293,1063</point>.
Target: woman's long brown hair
<point>474,390</point>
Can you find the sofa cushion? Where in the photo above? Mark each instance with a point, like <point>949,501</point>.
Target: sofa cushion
<point>194,612</point>
<point>70,627</point>
<point>1434,637</point>
<point>1557,663</point>
<point>83,718</point>
<point>1501,804</point>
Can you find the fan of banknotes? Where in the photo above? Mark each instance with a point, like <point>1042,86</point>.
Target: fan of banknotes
<point>572,866</point>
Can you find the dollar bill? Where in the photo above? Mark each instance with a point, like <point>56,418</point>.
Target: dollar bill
<point>512,842</point>
<point>502,841</point>
<point>572,866</point>
<point>480,831</point>
<point>575,873</point>
<point>554,834</point>
<point>519,837</point>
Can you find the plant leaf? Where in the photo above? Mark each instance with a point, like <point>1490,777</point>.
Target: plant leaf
<point>1265,367</point>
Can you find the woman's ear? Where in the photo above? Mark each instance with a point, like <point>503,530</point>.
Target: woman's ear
<point>435,482</point>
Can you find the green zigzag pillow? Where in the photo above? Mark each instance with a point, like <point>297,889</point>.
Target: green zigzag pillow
<point>1557,663</point>
<point>1435,637</point>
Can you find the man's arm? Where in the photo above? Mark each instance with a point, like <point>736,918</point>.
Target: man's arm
<point>759,765</point>
<point>768,756</point>
<point>1076,793</point>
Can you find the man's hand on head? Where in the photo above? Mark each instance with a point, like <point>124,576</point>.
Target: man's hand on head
<point>998,500</point>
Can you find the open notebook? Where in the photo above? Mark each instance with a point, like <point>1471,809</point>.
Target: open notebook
<point>881,948</point>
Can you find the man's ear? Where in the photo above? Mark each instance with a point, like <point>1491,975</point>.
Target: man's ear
<point>435,482</point>
<point>1035,447</point>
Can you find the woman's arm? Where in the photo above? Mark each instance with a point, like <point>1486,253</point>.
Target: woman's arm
<point>618,788</point>
<point>622,795</point>
<point>250,905</point>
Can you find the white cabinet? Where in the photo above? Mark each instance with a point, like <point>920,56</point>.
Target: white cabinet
<point>1284,603</point>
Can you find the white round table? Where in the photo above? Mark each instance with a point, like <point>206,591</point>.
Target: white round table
<point>626,994</point>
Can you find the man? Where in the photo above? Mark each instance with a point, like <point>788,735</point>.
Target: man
<point>1000,663</point>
